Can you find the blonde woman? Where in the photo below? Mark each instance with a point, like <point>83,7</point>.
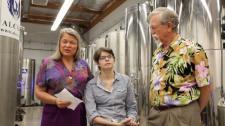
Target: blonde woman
<point>64,69</point>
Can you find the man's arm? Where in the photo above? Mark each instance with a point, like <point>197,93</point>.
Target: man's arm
<point>205,92</point>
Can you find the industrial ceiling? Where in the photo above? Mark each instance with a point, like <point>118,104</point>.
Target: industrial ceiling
<point>83,14</point>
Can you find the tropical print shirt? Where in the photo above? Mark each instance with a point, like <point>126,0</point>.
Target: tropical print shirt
<point>177,73</point>
<point>54,76</point>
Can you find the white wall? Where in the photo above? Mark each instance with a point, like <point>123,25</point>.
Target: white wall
<point>39,42</point>
<point>32,52</point>
<point>37,51</point>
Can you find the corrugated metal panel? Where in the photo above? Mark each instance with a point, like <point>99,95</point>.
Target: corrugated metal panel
<point>40,2</point>
<point>94,4</point>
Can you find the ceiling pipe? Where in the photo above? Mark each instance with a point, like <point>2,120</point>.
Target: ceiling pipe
<point>26,8</point>
<point>40,2</point>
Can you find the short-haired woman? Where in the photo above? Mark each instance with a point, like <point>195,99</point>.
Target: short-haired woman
<point>109,97</point>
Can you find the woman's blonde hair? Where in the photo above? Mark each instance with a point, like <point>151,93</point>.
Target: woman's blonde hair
<point>57,54</point>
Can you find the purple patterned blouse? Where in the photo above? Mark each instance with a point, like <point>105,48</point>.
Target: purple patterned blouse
<point>54,76</point>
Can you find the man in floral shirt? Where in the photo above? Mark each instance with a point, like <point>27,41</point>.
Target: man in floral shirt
<point>180,83</point>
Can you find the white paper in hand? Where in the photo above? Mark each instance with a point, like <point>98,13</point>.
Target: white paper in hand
<point>66,95</point>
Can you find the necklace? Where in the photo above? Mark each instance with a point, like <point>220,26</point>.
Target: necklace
<point>69,76</point>
<point>69,80</point>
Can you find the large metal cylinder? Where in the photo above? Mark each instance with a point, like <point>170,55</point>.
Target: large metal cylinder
<point>20,62</point>
<point>97,43</point>
<point>221,112</point>
<point>139,48</point>
<point>27,83</point>
<point>9,55</point>
<point>116,41</point>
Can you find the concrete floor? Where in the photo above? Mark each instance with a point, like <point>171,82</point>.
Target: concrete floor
<point>32,116</point>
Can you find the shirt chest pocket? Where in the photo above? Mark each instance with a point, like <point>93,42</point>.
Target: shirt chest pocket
<point>101,97</point>
<point>121,93</point>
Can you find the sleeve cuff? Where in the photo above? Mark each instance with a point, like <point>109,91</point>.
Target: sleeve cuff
<point>92,116</point>
<point>133,117</point>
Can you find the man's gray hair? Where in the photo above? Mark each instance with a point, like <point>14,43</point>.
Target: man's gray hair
<point>166,15</point>
<point>57,54</point>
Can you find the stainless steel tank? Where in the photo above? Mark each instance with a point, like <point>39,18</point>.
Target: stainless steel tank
<point>9,66</point>
<point>221,103</point>
<point>9,55</point>
<point>221,112</point>
<point>116,41</point>
<point>96,44</point>
<point>20,62</point>
<point>90,52</point>
<point>83,53</point>
<point>27,84</point>
<point>139,47</point>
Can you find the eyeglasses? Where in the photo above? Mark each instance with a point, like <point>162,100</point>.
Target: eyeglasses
<point>104,57</point>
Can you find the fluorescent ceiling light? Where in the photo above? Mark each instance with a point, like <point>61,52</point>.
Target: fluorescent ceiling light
<point>65,7</point>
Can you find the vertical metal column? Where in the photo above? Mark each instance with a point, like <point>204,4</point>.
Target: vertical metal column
<point>9,50</point>
<point>139,48</point>
<point>9,57</point>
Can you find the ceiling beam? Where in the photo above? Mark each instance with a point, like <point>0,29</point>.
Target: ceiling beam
<point>57,5</point>
<point>51,18</point>
<point>85,9</point>
<point>43,21</point>
<point>36,21</point>
<point>45,18</point>
<point>112,5</point>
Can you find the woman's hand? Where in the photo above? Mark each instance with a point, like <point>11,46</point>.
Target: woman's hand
<point>132,122</point>
<point>128,122</point>
<point>62,103</point>
<point>124,122</point>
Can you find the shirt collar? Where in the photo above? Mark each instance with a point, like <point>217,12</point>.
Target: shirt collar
<point>174,41</point>
<point>117,76</point>
<point>99,82</point>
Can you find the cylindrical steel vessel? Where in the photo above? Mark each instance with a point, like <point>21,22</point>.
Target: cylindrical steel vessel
<point>221,112</point>
<point>9,56</point>
<point>116,42</point>
<point>9,59</point>
<point>139,48</point>
<point>97,43</point>
<point>28,79</point>
<point>20,62</point>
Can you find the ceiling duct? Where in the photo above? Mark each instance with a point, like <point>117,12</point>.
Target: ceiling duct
<point>26,8</point>
<point>40,2</point>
